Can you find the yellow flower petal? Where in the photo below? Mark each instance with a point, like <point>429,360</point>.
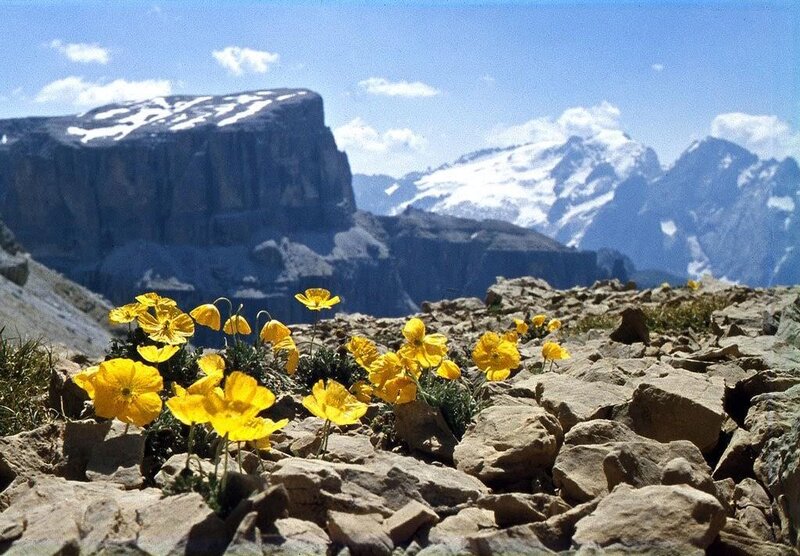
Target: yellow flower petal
<point>274,331</point>
<point>538,320</point>
<point>155,354</point>
<point>449,370</point>
<point>127,390</point>
<point>207,315</point>
<point>316,299</point>
<point>211,364</point>
<point>334,403</point>
<point>521,326</point>
<point>553,325</point>
<point>237,324</point>
<point>126,313</point>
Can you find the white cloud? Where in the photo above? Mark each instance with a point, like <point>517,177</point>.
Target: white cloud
<point>357,134</point>
<point>74,90</point>
<point>580,121</point>
<point>81,52</point>
<point>382,86</point>
<point>488,80</point>
<point>238,60</point>
<point>657,67</point>
<point>767,136</point>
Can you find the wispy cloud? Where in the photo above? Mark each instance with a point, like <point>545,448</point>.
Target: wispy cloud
<point>488,80</point>
<point>580,120</point>
<point>357,134</point>
<point>81,52</point>
<point>657,67</point>
<point>384,87</point>
<point>238,60</point>
<point>767,136</point>
<point>78,92</point>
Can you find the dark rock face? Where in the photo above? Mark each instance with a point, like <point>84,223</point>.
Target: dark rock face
<point>245,196</point>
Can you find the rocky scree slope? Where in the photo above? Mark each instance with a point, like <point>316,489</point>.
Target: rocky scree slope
<point>717,209</point>
<point>242,195</point>
<point>666,439</point>
<point>39,303</point>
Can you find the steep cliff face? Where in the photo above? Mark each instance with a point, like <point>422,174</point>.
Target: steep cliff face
<point>243,195</point>
<point>78,187</point>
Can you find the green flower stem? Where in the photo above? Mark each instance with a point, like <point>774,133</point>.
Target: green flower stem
<point>225,470</point>
<point>324,442</point>
<point>239,455</point>
<point>189,445</point>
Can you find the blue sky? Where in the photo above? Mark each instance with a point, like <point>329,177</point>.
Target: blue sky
<point>411,85</point>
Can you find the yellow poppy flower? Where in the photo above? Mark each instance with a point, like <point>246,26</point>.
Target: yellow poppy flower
<point>269,426</point>
<point>397,390</point>
<point>553,325</point>
<point>334,403</point>
<point>188,408</point>
<point>693,285</point>
<point>126,313</point>
<point>493,354</point>
<point>538,320</point>
<point>127,390</point>
<point>237,324</point>
<point>449,370</point>
<point>152,299</point>
<point>426,349</point>
<point>316,299</point>
<point>552,351</point>
<point>521,326</point>
<point>155,354</point>
<point>206,314</point>
<point>169,325</point>
<point>241,400</point>
<point>274,331</point>
<point>363,350</point>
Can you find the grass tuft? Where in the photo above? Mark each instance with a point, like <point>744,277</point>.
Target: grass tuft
<point>454,400</point>
<point>25,369</point>
<point>328,364</point>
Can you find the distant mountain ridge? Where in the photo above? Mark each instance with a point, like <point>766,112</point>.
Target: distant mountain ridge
<point>243,195</point>
<point>718,209</point>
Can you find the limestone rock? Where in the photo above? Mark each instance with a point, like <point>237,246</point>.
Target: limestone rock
<point>65,396</point>
<point>452,530</point>
<point>404,523</point>
<point>673,404</point>
<point>632,328</point>
<point>290,536</point>
<point>513,540</point>
<point>508,443</point>
<point>423,428</point>
<point>362,534</point>
<point>515,508</point>
<point>676,517</point>
<point>735,539</point>
<point>14,267</point>
<point>572,400</point>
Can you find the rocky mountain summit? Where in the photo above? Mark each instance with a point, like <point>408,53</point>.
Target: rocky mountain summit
<point>672,429</point>
<point>718,209</point>
<point>244,195</point>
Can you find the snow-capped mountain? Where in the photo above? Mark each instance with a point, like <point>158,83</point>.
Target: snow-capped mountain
<point>129,120</point>
<point>718,209</point>
<point>553,187</point>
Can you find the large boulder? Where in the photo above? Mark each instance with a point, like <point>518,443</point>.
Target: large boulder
<point>674,404</point>
<point>507,444</point>
<point>656,518</point>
